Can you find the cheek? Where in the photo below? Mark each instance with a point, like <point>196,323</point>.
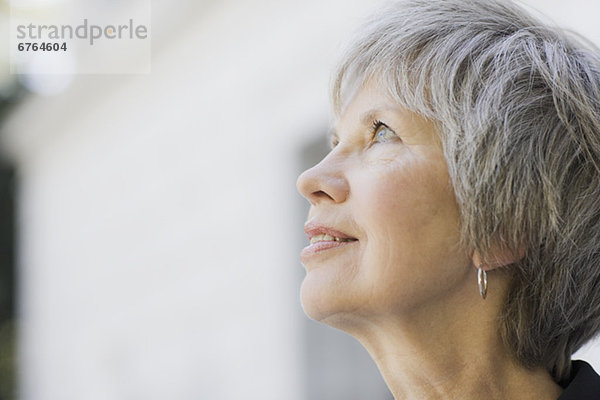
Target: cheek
<point>411,194</point>
<point>410,220</point>
<point>408,212</point>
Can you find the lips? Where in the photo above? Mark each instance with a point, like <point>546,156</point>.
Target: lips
<point>322,238</point>
<point>313,229</point>
<point>327,238</point>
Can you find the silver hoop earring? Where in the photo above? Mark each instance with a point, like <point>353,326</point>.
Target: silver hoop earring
<point>482,282</point>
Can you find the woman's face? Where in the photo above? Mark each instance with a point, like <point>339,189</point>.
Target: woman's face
<point>383,220</point>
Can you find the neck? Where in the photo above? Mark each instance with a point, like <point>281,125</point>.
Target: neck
<point>450,355</point>
<point>442,371</point>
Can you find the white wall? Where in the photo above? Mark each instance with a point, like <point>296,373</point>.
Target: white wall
<point>157,254</point>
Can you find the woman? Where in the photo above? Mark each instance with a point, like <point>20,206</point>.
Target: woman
<point>466,153</point>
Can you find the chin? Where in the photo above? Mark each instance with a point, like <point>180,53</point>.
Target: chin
<point>320,299</point>
<point>324,301</point>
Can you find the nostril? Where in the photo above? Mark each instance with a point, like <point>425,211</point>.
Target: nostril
<point>321,195</point>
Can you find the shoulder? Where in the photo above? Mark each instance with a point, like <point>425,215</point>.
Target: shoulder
<point>583,384</point>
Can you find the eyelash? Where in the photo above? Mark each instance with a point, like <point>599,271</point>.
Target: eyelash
<point>334,142</point>
<point>375,127</point>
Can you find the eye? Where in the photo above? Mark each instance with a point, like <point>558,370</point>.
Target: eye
<point>381,133</point>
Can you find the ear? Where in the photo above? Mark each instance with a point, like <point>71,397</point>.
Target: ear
<point>499,256</point>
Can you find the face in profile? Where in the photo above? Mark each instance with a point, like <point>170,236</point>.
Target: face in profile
<point>383,224</point>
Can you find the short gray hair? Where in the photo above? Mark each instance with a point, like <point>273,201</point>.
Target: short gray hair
<point>517,106</point>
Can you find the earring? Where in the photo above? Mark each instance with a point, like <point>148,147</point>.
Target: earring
<point>482,282</point>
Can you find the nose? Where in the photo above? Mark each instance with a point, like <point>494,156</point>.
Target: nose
<point>325,182</point>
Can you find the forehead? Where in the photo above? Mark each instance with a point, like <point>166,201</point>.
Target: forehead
<point>361,92</point>
<point>364,105</point>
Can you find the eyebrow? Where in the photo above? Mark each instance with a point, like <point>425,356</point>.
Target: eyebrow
<point>365,119</point>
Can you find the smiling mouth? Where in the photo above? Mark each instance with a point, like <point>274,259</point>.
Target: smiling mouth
<point>328,238</point>
<point>320,244</point>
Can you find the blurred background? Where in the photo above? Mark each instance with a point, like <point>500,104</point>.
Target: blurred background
<point>150,226</point>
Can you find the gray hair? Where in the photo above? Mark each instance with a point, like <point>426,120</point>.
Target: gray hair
<point>517,107</point>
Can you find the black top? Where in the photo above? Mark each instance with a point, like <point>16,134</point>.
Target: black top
<point>583,384</point>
